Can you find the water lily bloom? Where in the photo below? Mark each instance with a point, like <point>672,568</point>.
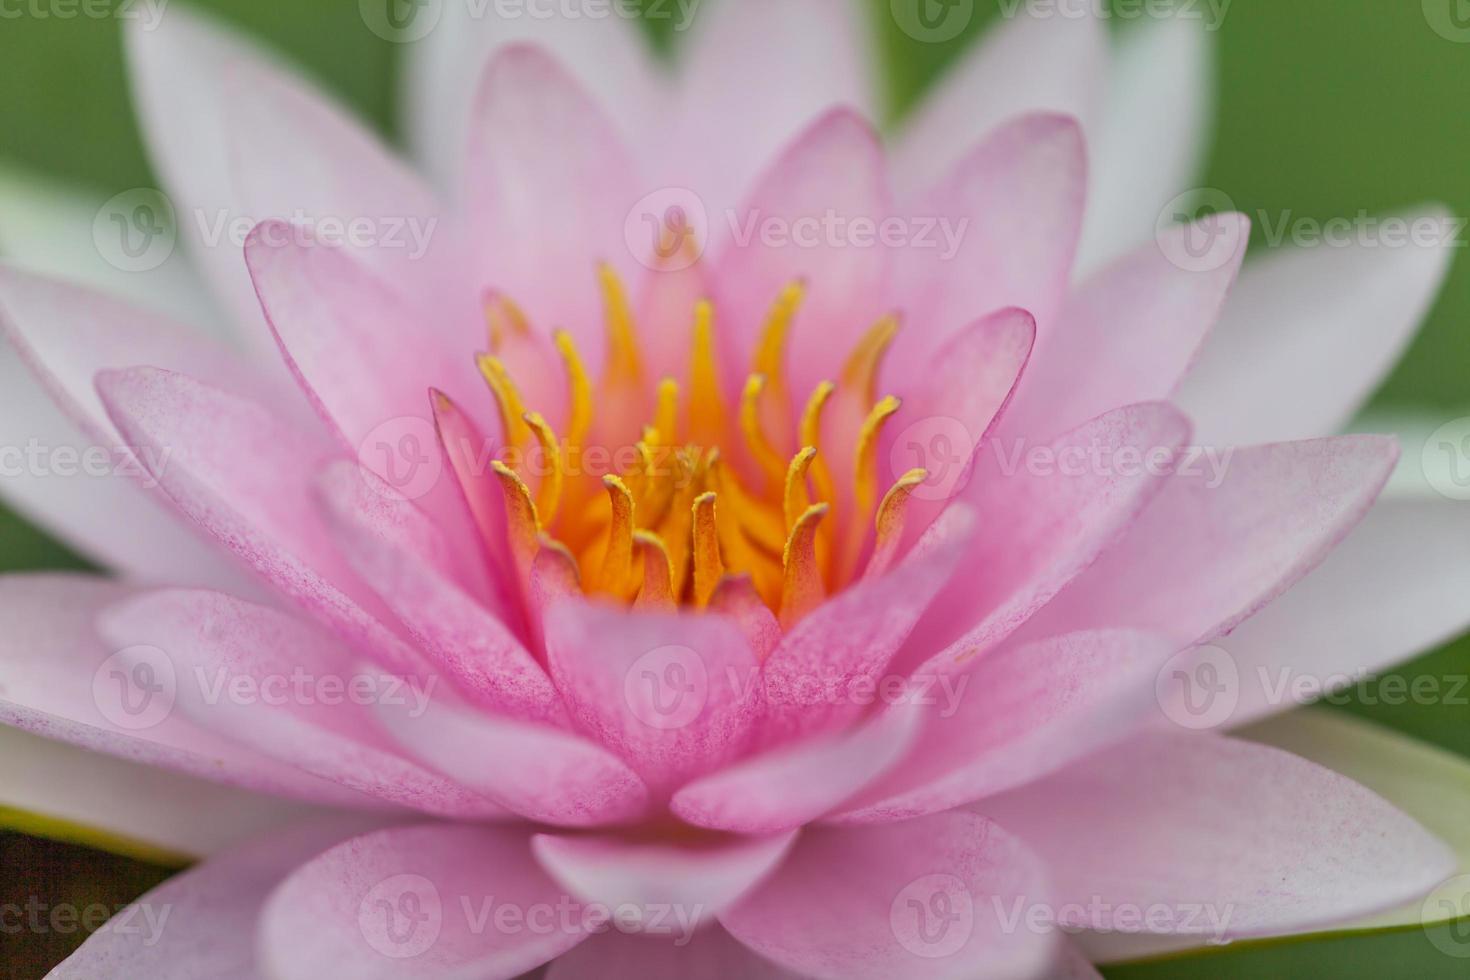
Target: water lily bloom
<point>682,531</point>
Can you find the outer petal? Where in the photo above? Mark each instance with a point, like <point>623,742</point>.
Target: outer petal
<point>197,924</point>
<point>1215,548</point>
<point>713,955</point>
<point>419,902</point>
<point>684,885</point>
<point>1319,328</point>
<point>1154,132</point>
<point>256,676</point>
<point>1233,839</point>
<point>60,680</point>
<point>859,904</point>
<point>1029,64</point>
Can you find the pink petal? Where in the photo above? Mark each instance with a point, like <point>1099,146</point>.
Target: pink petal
<point>541,773</point>
<point>1319,328</point>
<point>1018,714</point>
<point>794,785</point>
<point>1127,335</point>
<point>267,681</point>
<point>397,550</point>
<point>672,695</point>
<point>685,885</point>
<point>419,902</point>
<point>1204,557</point>
<point>197,924</point>
<point>1233,839</point>
<point>58,679</point>
<point>244,476</point>
<point>549,187</point>
<point>712,955</point>
<point>834,166</point>
<point>1043,523</point>
<point>860,904</point>
<point>1015,205</point>
<point>1028,64</point>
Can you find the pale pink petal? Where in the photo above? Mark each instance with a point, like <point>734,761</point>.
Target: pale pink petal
<point>197,924</point>
<point>1127,335</point>
<point>270,682</point>
<point>1230,839</point>
<point>1016,715</point>
<point>544,774</point>
<point>60,680</point>
<point>419,902</point>
<point>712,955</point>
<point>549,187</point>
<point>860,904</point>
<point>684,884</point>
<point>1070,964</point>
<point>1396,587</point>
<point>1027,64</point>
<point>1309,333</point>
<point>245,476</point>
<point>794,785</point>
<point>674,696</point>
<point>833,167</point>
<point>753,74</point>
<point>1154,133</point>
<point>1044,519</point>
<point>1216,546</point>
<point>1010,212</point>
<point>397,550</point>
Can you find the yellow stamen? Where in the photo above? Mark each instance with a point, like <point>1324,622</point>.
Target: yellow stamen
<point>770,359</point>
<point>706,405</point>
<point>763,525</point>
<point>688,476</point>
<point>866,472</point>
<point>772,463</point>
<point>579,389</point>
<point>860,373</point>
<point>504,319</point>
<point>617,560</point>
<point>548,493</point>
<point>797,499</point>
<point>801,583</point>
<point>811,435</point>
<point>657,593</point>
<point>892,513</point>
<point>522,527</point>
<point>666,416</point>
<point>708,569</point>
<point>623,363</point>
<point>507,400</point>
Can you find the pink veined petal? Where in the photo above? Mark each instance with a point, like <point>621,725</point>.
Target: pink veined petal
<point>419,902</point>
<point>258,677</point>
<point>1394,588</point>
<point>197,924</point>
<point>1234,839</point>
<point>60,680</point>
<point>754,73</point>
<point>398,551</point>
<point>673,695</point>
<point>245,477</point>
<point>834,166</point>
<point>677,887</point>
<point>1129,334</point>
<point>1026,65</point>
<point>1045,518</point>
<point>609,56</point>
<point>712,955</point>
<point>1016,715</point>
<point>1319,328</point>
<point>549,187</point>
<point>1153,135</point>
<point>794,785</point>
<point>543,774</point>
<point>238,137</point>
<point>911,900</point>
<point>1216,547</point>
<point>1009,214</point>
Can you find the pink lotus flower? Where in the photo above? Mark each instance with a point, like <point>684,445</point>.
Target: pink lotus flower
<point>803,590</point>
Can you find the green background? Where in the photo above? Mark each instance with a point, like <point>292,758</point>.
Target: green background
<point>1327,108</point>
